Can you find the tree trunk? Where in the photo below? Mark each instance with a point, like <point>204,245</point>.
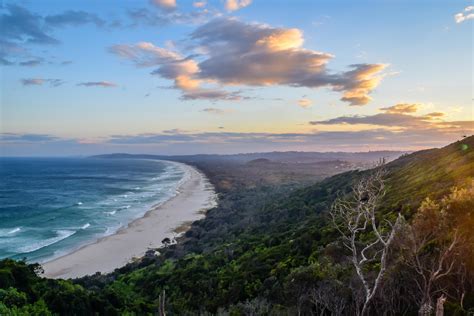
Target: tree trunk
<point>440,305</point>
<point>366,306</point>
<point>162,300</point>
<point>425,309</point>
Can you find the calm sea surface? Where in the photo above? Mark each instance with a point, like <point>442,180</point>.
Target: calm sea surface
<point>51,206</point>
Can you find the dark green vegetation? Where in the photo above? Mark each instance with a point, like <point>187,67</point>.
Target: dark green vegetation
<point>268,248</point>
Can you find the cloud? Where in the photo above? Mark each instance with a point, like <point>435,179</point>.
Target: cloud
<point>434,115</point>
<point>151,138</point>
<point>381,119</point>
<point>41,81</point>
<point>210,94</point>
<point>177,141</point>
<point>217,111</point>
<point>173,66</point>
<point>260,55</point>
<point>305,103</point>
<point>227,142</point>
<point>165,4</point>
<point>233,5</point>
<point>13,137</point>
<point>465,15</point>
<point>199,4</point>
<point>144,16</point>
<point>36,144</point>
<point>19,26</point>
<point>31,62</point>
<point>358,83</point>
<point>145,54</point>
<point>22,26</point>
<point>402,108</point>
<point>234,53</point>
<point>5,62</point>
<point>9,50</point>
<point>400,118</point>
<point>103,84</point>
<point>73,18</point>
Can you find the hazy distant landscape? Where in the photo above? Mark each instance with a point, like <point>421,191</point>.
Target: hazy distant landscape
<point>274,167</point>
<point>236,157</point>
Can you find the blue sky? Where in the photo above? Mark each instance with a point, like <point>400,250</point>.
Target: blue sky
<point>183,77</point>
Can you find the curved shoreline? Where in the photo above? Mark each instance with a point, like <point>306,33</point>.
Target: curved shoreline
<point>195,196</point>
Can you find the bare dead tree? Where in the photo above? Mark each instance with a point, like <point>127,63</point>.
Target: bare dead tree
<point>162,302</point>
<point>367,239</point>
<point>440,305</point>
<point>327,297</point>
<point>431,266</point>
<point>434,249</point>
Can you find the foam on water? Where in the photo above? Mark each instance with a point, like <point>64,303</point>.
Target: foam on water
<point>85,226</point>
<point>9,231</point>
<point>60,235</point>
<point>112,194</point>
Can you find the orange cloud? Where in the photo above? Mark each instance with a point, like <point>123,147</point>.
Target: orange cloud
<point>364,78</point>
<point>199,4</point>
<point>165,4</point>
<point>434,115</point>
<point>282,40</point>
<point>402,108</point>
<point>399,118</point>
<point>233,5</point>
<point>233,53</point>
<point>186,83</point>
<point>305,103</point>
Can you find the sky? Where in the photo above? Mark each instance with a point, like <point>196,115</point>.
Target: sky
<point>231,76</point>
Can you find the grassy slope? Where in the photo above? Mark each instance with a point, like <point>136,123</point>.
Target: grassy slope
<point>430,173</point>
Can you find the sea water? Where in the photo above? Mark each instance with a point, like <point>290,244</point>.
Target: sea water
<point>51,206</point>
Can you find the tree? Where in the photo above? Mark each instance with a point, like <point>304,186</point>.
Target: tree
<point>328,296</point>
<point>162,304</point>
<point>437,246</point>
<point>368,239</point>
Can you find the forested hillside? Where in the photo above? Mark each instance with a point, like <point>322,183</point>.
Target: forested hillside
<point>272,248</point>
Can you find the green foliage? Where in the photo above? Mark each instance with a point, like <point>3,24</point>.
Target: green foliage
<point>11,297</point>
<point>39,308</point>
<point>253,254</point>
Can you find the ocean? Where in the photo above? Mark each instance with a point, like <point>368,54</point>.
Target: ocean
<point>52,206</point>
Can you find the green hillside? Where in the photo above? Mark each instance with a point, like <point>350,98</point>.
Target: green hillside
<point>260,252</point>
<point>430,173</point>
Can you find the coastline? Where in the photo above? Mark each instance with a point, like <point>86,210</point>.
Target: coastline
<point>167,220</point>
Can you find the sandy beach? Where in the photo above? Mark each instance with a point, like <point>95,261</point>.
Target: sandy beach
<point>195,195</point>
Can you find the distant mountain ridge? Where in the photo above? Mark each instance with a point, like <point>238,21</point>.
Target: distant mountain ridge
<point>289,156</point>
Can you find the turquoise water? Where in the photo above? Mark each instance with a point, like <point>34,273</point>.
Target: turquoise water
<point>51,206</point>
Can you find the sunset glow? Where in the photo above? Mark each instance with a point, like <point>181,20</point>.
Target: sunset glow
<point>87,76</point>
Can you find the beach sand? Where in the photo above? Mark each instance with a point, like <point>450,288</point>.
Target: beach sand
<point>195,196</point>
